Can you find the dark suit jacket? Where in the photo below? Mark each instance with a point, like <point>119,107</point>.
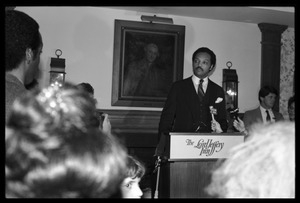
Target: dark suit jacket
<point>14,88</point>
<point>181,112</point>
<point>254,116</point>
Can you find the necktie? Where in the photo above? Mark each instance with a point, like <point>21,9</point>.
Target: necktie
<point>268,116</point>
<point>200,89</point>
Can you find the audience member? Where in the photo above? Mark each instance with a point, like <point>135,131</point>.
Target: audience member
<point>88,88</point>
<point>23,46</point>
<point>291,108</point>
<point>187,109</point>
<point>135,171</point>
<point>261,167</point>
<point>264,113</point>
<point>147,77</point>
<point>55,150</point>
<point>104,122</point>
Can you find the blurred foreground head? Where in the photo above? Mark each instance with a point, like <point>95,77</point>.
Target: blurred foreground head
<point>54,149</point>
<point>261,167</point>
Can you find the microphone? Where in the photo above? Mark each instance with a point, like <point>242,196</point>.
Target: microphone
<point>234,113</point>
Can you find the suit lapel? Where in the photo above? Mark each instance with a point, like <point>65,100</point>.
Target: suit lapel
<point>258,114</point>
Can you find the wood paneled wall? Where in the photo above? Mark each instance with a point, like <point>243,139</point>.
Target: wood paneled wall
<point>137,129</point>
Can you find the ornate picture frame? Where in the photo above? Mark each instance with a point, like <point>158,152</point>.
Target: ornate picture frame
<point>147,59</point>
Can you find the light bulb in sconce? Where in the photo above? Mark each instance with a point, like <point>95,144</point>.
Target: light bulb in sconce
<point>231,92</point>
<point>57,73</point>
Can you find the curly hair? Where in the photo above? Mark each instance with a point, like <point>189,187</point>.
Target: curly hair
<point>54,148</point>
<point>54,108</point>
<point>21,32</point>
<point>261,167</point>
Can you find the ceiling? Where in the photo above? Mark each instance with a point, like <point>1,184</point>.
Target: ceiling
<point>275,15</point>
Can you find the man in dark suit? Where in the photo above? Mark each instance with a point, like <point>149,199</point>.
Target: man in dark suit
<point>264,113</point>
<point>187,109</point>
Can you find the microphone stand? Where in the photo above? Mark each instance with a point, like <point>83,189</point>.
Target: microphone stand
<point>157,167</point>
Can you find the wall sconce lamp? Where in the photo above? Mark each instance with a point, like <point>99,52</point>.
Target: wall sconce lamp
<point>57,72</point>
<point>230,83</point>
<point>156,19</point>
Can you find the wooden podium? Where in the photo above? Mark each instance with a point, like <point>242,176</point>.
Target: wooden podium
<point>192,157</point>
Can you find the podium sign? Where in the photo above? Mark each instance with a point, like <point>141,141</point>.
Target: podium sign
<point>191,146</point>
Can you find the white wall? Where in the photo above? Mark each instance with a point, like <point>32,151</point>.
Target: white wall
<point>86,36</point>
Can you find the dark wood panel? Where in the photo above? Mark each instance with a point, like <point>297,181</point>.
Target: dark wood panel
<point>185,179</point>
<point>133,121</point>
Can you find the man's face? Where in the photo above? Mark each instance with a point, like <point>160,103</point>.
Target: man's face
<point>268,101</point>
<point>151,53</point>
<point>202,64</point>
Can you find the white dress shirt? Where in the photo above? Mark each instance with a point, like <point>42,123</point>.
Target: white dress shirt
<point>196,82</point>
<point>264,114</point>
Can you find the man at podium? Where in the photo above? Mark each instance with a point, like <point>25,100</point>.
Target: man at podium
<point>193,104</point>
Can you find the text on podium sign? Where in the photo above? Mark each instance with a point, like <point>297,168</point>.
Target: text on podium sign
<point>202,146</point>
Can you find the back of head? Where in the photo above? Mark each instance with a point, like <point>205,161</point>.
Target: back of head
<point>86,87</point>
<point>261,167</point>
<point>89,165</point>
<point>55,149</point>
<point>21,32</point>
<point>55,109</point>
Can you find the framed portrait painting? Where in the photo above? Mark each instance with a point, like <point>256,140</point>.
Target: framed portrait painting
<point>148,58</point>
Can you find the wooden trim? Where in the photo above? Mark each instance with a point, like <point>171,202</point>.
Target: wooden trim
<point>133,121</point>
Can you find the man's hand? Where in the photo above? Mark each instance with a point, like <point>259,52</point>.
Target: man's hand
<point>215,126</point>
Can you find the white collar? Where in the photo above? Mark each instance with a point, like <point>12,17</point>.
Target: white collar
<point>196,80</point>
<point>263,109</point>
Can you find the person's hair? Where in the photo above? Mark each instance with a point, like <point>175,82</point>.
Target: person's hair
<point>21,33</point>
<point>290,101</point>
<point>85,165</point>
<point>54,148</point>
<point>206,50</point>
<point>263,166</point>
<point>86,87</point>
<point>265,90</point>
<point>135,168</point>
<point>60,108</point>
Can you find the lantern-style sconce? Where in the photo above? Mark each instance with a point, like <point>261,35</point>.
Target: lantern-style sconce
<point>57,71</point>
<point>230,83</point>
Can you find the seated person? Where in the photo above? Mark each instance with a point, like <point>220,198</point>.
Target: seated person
<point>135,171</point>
<point>264,113</point>
<point>54,149</point>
